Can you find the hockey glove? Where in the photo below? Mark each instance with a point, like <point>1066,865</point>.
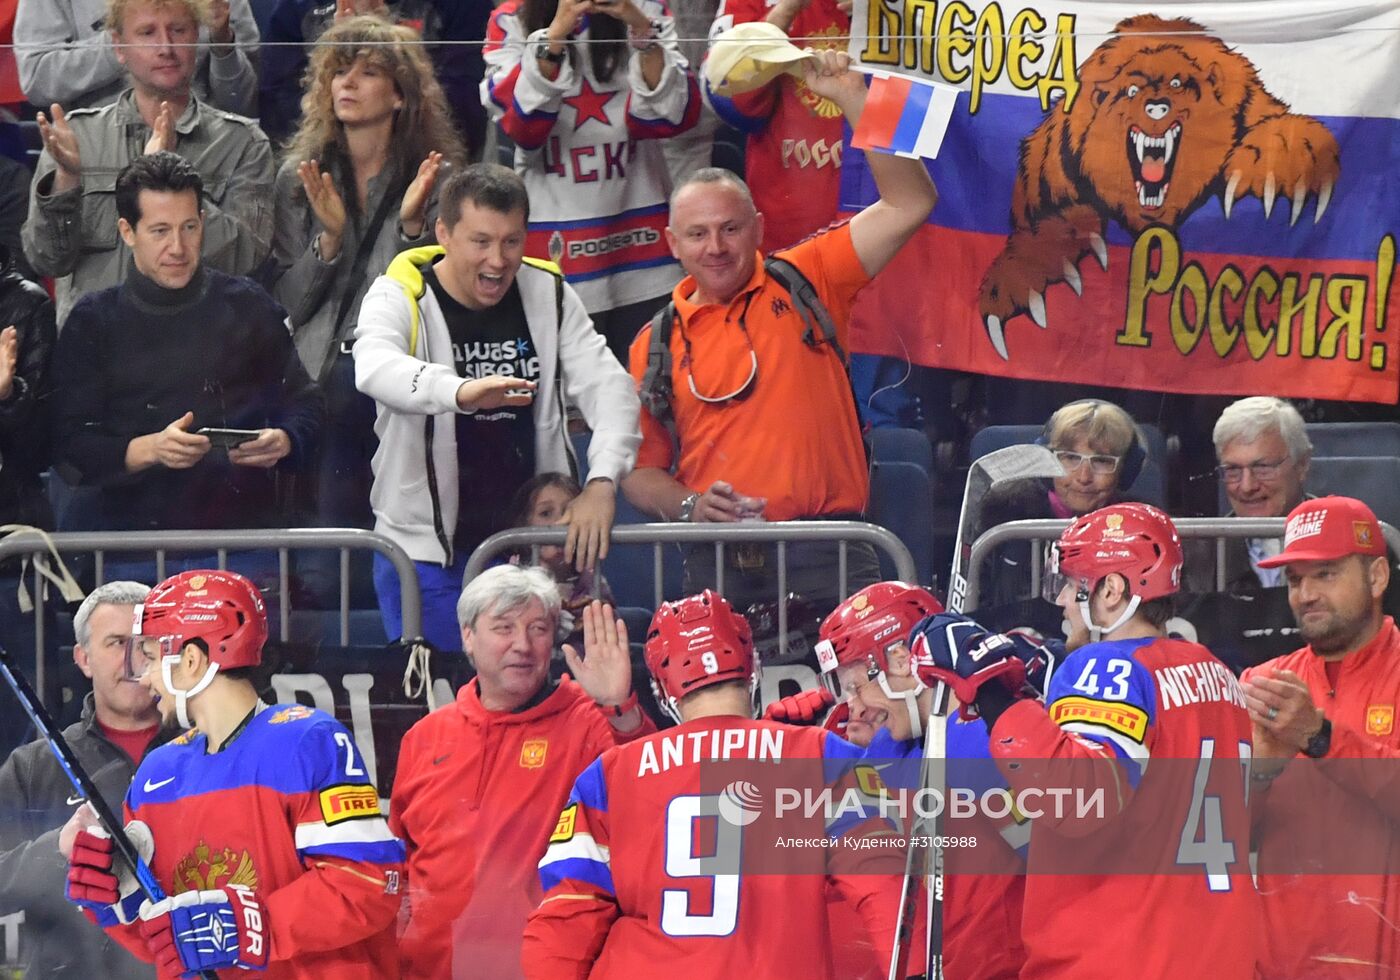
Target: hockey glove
<point>100,883</point>
<point>803,708</point>
<point>839,718</point>
<point>207,930</point>
<point>1042,656</point>
<point>983,670</point>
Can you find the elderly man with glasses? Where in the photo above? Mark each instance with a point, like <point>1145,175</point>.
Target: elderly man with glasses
<point>1263,452</point>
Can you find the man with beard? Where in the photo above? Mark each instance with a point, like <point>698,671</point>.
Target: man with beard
<point>1332,700</point>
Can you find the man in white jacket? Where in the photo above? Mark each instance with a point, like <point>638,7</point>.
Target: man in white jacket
<point>471,351</point>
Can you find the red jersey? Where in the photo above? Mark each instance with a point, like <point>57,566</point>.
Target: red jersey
<point>475,797</point>
<point>1174,898</point>
<point>285,808</point>
<point>1321,925</point>
<point>792,160</point>
<point>631,889</point>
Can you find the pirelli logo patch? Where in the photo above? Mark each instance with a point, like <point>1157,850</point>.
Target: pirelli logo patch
<point>564,829</point>
<point>1126,719</point>
<point>341,803</point>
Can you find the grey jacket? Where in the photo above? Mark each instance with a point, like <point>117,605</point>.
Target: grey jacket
<point>65,55</point>
<point>56,941</point>
<point>311,289</point>
<point>74,234</point>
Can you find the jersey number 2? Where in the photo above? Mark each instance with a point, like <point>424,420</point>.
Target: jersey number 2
<point>681,862</point>
<point>343,740</point>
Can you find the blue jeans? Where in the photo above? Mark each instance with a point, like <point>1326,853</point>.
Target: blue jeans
<point>440,588</point>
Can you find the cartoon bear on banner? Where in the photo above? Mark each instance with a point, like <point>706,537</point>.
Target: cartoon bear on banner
<point>1165,118</point>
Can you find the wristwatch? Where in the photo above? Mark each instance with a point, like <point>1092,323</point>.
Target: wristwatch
<point>1319,744</point>
<point>688,507</point>
<point>543,53</point>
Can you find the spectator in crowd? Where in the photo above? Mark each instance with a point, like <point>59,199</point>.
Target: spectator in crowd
<point>357,187</point>
<point>297,24</point>
<point>785,445</point>
<point>14,207</point>
<point>453,343</point>
<point>68,51</point>
<point>1263,451</point>
<point>1334,699</point>
<point>1102,451</point>
<point>480,782</point>
<point>143,367</point>
<point>71,231</point>
<point>544,502</point>
<point>586,90</point>
<point>792,156</point>
<point>26,347</point>
<point>119,723</point>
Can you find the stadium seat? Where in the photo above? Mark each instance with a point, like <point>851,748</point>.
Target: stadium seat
<point>901,500</point>
<point>1372,479</point>
<point>1354,438</point>
<point>893,445</point>
<point>1151,485</point>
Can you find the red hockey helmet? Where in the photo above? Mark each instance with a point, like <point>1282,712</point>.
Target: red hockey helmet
<point>864,627</point>
<point>222,609</point>
<point>696,642</point>
<point>1137,541</point>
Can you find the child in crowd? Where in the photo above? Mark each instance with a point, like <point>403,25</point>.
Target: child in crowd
<point>541,502</point>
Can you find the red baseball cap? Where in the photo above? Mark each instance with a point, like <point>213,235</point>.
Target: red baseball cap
<point>1328,528</point>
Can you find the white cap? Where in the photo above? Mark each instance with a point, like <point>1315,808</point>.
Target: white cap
<point>749,56</point>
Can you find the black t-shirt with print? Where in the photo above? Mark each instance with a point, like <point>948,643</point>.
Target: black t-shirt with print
<point>495,447</point>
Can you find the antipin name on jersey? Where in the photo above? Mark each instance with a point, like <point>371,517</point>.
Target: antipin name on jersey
<point>691,748</point>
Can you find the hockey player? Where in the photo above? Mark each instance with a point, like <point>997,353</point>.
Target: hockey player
<point>627,889</point>
<point>1167,853</point>
<point>260,822</point>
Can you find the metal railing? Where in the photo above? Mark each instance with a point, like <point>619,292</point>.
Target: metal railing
<point>1219,528</point>
<point>100,543</point>
<point>781,533</point>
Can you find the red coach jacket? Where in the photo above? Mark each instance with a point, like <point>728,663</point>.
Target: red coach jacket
<point>1329,854</point>
<point>476,795</point>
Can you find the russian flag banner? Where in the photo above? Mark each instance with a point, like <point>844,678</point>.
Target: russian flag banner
<point>904,116</point>
<point>1193,196</point>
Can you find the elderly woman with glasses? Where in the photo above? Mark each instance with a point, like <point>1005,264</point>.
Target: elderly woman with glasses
<point>1102,451</point>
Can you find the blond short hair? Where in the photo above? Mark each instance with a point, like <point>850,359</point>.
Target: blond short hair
<point>1106,427</point>
<point>116,10</point>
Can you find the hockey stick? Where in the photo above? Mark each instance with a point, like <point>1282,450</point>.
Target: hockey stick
<point>1011,463</point>
<point>83,783</point>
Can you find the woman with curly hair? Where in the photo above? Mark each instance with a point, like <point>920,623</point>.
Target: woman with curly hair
<point>587,89</point>
<point>356,187</point>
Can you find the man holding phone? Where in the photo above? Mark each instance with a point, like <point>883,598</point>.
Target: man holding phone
<point>180,388</point>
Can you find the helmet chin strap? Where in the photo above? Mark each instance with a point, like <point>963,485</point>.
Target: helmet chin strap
<point>1096,632</point>
<point>182,697</point>
<point>911,703</point>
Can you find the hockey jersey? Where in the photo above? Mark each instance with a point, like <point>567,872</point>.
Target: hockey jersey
<point>1166,852</point>
<point>639,881</point>
<point>589,154</point>
<point>985,880</point>
<point>287,809</point>
<point>792,157</point>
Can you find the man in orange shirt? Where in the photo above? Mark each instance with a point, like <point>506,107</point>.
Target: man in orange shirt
<point>786,445</point>
<point>1327,831</point>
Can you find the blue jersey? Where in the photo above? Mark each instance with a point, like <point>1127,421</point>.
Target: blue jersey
<point>287,809</point>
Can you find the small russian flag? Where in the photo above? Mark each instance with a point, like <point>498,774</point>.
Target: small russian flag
<point>904,116</point>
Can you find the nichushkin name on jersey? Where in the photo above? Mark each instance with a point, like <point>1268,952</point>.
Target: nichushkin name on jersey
<point>692,748</point>
<point>1193,683</point>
